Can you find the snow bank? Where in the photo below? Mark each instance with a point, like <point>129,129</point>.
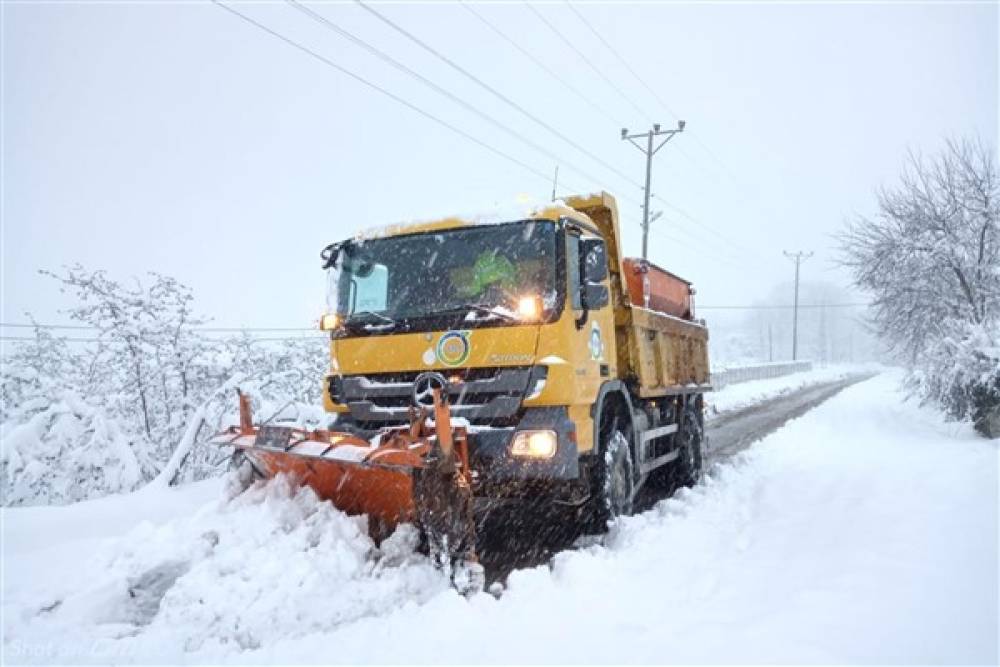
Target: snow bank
<point>272,563</point>
<point>64,450</point>
<point>865,531</point>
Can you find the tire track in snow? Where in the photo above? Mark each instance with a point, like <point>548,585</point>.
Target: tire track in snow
<point>525,537</point>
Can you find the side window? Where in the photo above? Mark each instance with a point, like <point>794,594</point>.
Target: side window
<point>573,270</point>
<point>371,289</point>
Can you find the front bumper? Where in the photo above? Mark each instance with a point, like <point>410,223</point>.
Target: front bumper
<point>495,470</point>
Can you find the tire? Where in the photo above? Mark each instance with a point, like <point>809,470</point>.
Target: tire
<point>615,479</point>
<point>686,470</point>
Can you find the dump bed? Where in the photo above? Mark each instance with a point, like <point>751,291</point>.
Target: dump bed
<point>664,354</point>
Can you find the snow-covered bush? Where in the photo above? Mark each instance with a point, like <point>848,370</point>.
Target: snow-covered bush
<point>62,450</point>
<point>931,260</point>
<point>36,369</point>
<point>152,382</point>
<point>962,373</point>
<point>284,381</point>
<point>292,368</point>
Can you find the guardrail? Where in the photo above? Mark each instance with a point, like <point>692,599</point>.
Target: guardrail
<point>737,374</point>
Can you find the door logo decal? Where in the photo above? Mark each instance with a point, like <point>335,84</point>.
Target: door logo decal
<point>596,342</point>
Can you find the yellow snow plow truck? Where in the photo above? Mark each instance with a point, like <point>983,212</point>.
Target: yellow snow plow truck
<point>486,363</point>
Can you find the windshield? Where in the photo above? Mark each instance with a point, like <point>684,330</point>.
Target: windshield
<point>476,274</point>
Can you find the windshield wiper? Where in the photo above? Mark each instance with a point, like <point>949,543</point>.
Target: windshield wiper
<point>360,316</point>
<point>486,310</point>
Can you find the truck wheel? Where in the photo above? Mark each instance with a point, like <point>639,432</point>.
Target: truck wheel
<point>615,480</point>
<point>687,467</point>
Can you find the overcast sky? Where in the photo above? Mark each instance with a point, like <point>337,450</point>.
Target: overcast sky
<point>181,139</point>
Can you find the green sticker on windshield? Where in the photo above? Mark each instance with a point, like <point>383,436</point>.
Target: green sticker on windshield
<point>453,348</point>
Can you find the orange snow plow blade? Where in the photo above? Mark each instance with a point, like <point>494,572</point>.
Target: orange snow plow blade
<point>356,487</point>
<point>417,473</point>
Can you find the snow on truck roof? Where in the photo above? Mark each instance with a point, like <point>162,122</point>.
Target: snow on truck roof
<point>547,211</point>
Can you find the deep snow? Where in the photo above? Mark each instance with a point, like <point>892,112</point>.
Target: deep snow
<point>865,531</point>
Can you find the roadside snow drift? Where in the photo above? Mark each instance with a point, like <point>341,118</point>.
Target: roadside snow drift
<point>865,531</point>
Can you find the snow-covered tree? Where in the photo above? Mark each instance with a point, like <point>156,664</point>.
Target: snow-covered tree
<point>149,359</point>
<point>930,258</point>
<point>33,369</point>
<point>143,397</point>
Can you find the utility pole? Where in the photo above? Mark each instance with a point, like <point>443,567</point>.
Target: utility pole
<point>798,258</point>
<point>555,182</point>
<point>649,152</point>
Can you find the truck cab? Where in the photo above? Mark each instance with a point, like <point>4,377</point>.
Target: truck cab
<point>570,389</point>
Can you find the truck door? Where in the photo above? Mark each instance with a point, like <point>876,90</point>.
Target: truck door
<point>594,318</point>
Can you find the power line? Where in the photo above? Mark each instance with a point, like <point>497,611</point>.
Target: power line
<point>65,340</point>
<point>704,251</point>
<point>385,92</point>
<point>408,104</point>
<point>493,91</point>
<point>702,246</point>
<point>576,91</point>
<point>121,342</point>
<point>652,91</point>
<point>622,60</point>
<point>404,102</point>
<point>617,55</point>
<point>385,57</point>
<point>319,334</point>
<point>738,253</point>
<point>635,74</point>
<point>24,325</point>
<point>683,243</point>
<point>702,223</point>
<point>788,306</point>
<point>587,99</point>
<point>46,326</point>
<point>696,233</point>
<point>586,60</point>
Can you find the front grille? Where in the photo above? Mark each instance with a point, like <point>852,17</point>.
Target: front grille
<point>481,395</point>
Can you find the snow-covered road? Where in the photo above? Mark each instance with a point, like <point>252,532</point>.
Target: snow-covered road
<point>864,531</point>
<point>733,431</point>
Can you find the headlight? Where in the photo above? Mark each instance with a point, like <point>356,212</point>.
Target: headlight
<point>529,308</point>
<point>329,322</point>
<point>534,444</point>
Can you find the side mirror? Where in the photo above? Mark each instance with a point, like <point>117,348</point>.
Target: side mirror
<point>594,260</point>
<point>329,255</point>
<point>594,296</point>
